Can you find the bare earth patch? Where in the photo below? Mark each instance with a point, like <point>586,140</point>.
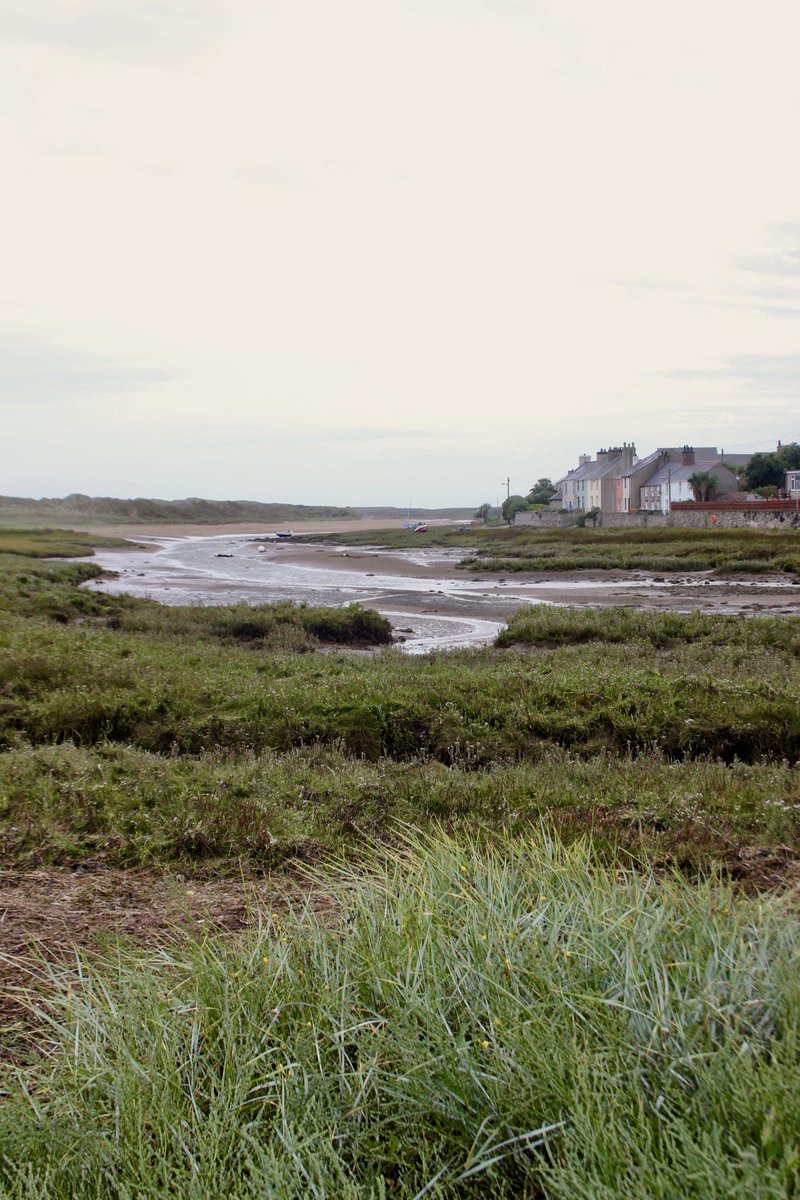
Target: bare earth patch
<point>49,913</point>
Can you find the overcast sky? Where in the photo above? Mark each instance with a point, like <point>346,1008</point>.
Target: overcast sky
<point>381,251</point>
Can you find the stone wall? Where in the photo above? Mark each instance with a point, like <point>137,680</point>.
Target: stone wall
<point>738,519</point>
<point>701,519</point>
<point>546,520</point>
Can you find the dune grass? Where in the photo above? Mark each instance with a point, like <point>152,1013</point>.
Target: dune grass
<point>514,1021</point>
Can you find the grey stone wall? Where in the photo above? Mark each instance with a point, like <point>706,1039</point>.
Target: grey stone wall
<point>546,520</point>
<point>741,519</point>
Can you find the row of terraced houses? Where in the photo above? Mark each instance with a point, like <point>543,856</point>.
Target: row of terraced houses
<point>616,481</point>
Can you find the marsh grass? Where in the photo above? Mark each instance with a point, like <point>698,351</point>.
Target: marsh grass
<point>704,634</point>
<point>728,688</point>
<point>52,543</point>
<point>65,804</point>
<point>279,626</point>
<point>670,550</point>
<point>138,732</point>
<point>514,1020</point>
<point>667,549</point>
<point>529,1005</point>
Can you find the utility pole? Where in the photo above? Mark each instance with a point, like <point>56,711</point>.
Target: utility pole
<point>508,487</point>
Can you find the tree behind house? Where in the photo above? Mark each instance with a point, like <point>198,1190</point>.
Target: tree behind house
<point>704,485</point>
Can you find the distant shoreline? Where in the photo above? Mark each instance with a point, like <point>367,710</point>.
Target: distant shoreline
<point>156,529</point>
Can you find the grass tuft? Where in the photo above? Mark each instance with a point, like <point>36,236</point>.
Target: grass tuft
<point>517,1018</point>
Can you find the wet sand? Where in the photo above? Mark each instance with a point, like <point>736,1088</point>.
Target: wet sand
<point>599,589</point>
<point>147,533</point>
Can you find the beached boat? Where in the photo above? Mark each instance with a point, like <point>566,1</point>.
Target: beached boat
<point>284,534</point>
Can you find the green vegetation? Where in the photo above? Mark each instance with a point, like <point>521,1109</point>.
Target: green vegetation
<point>541,492</point>
<point>704,485</point>
<point>769,470</point>
<point>113,803</point>
<point>533,1003</point>
<point>139,731</point>
<point>511,506</point>
<point>282,626</point>
<point>653,550</point>
<point>108,510</point>
<point>508,1021</point>
<point>52,543</point>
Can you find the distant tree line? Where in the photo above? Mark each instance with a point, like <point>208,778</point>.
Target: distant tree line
<point>769,470</point>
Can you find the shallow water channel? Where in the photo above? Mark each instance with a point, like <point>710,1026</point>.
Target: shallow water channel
<point>431,604</point>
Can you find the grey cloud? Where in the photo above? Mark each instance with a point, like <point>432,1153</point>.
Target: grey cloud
<point>34,371</point>
<point>777,374</point>
<point>772,279</point>
<point>782,263</point>
<point>777,291</point>
<point>779,310</point>
<point>788,229</point>
<point>784,260</point>
<point>149,29</point>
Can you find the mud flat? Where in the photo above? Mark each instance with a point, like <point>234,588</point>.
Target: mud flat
<point>429,600</point>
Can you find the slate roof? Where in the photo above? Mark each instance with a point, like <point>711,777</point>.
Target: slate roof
<point>676,472</point>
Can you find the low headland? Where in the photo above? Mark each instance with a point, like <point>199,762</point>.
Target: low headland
<point>281,919</point>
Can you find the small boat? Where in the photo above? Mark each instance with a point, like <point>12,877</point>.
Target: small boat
<point>284,534</point>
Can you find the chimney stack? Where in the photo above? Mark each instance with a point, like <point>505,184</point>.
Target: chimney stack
<point>628,455</point>
<point>687,456</point>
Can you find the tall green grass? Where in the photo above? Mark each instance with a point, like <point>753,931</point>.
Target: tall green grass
<point>66,804</point>
<point>511,548</point>
<point>515,1021</point>
<point>730,692</point>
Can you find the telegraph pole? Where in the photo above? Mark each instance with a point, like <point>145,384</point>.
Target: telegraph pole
<point>508,487</point>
